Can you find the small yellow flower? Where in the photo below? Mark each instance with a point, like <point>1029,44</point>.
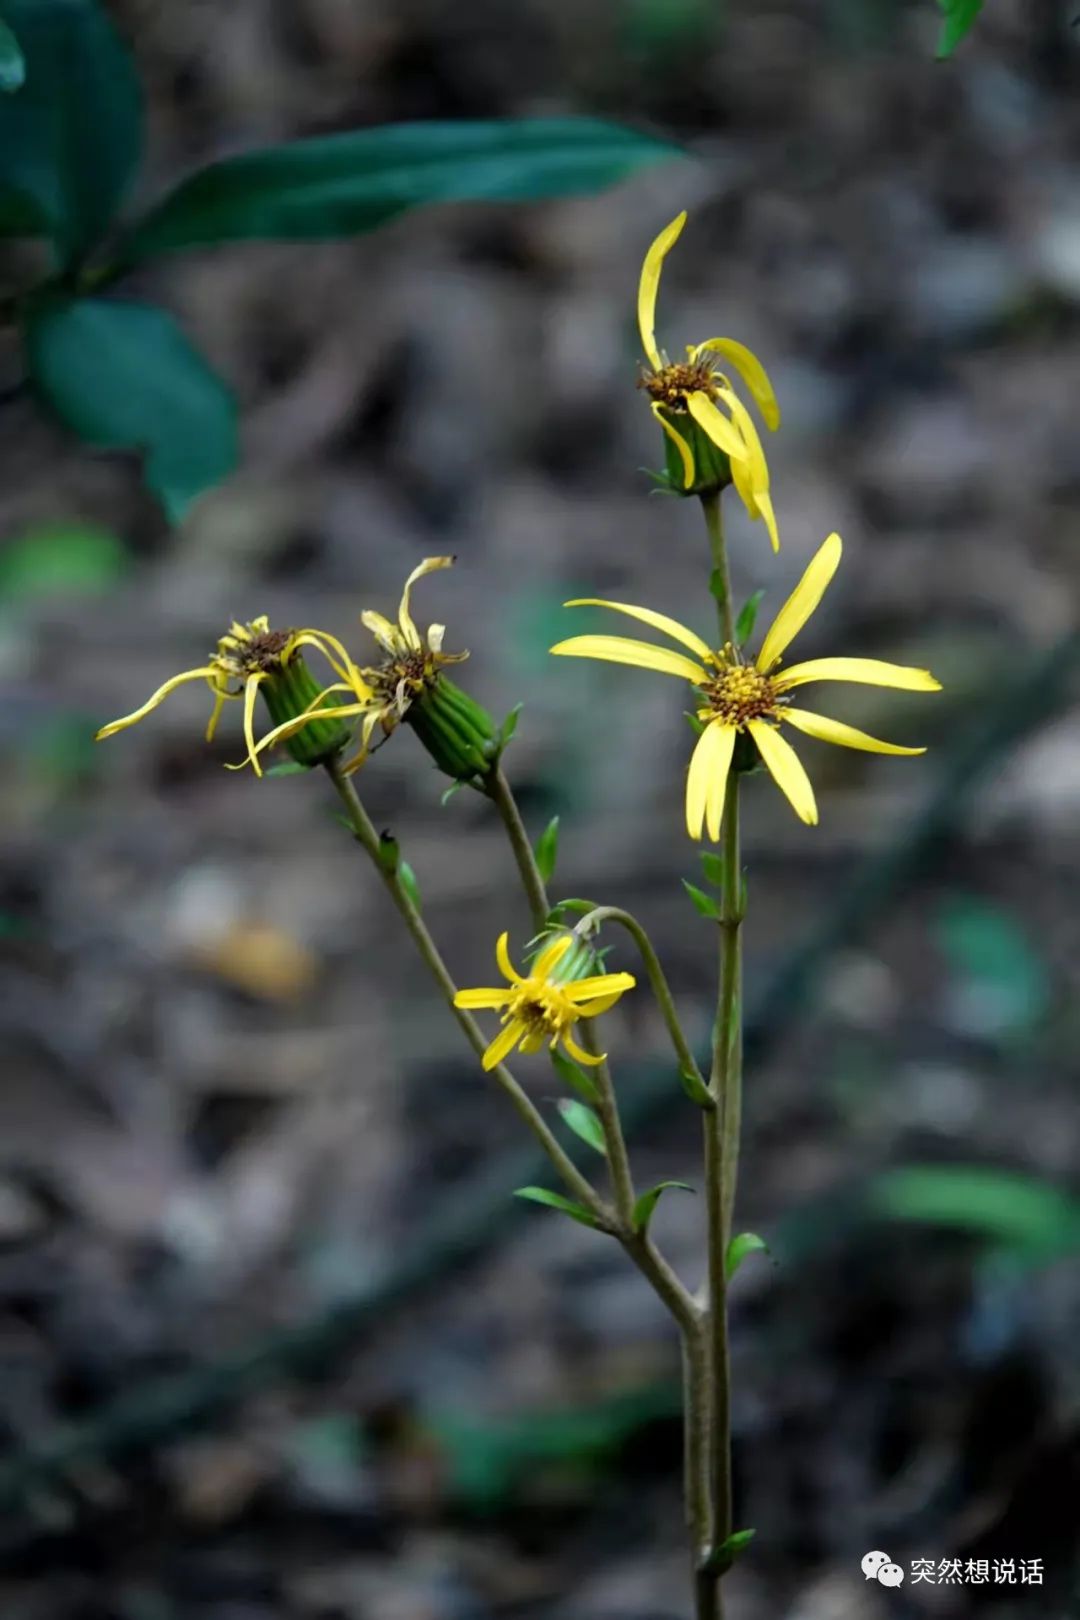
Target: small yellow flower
<point>694,388</point>
<point>540,1008</point>
<point>736,697</point>
<point>249,657</point>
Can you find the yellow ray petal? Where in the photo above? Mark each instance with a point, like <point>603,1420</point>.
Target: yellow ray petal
<point>710,761</point>
<point>621,650</point>
<point>649,285</point>
<point>717,426</point>
<point>251,689</point>
<point>386,634</point>
<point>408,629</point>
<point>579,1054</point>
<point>679,442</point>
<point>504,1043</point>
<point>550,957</point>
<point>751,371</point>
<point>603,1004</point>
<point>785,767</point>
<point>533,1043</point>
<point>801,603</point>
<point>502,956</point>
<point>215,713</point>
<point>487,1000</point>
<point>600,985</point>
<point>834,731</point>
<point>764,505</point>
<point>752,447</point>
<point>865,671</point>
<point>659,621</point>
<point>151,703</point>
<point>337,657</point>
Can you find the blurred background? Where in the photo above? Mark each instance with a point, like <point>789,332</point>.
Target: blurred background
<point>252,1187</point>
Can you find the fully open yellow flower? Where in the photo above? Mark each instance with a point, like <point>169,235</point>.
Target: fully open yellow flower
<point>695,389</point>
<point>252,656</point>
<point>734,696</point>
<point>539,1008</point>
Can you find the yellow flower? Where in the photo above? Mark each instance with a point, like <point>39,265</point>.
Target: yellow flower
<point>251,657</point>
<point>541,1008</point>
<point>755,698</point>
<point>694,391</point>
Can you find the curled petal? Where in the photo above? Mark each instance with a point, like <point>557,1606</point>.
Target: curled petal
<point>751,371</point>
<point>579,1054</point>
<point>409,632</point>
<point>786,770</point>
<point>679,442</point>
<point>502,956</point>
<point>658,621</point>
<point>622,650</point>
<point>601,985</point>
<point>386,634</point>
<point>550,957</point>
<point>835,731</point>
<point>864,671</point>
<point>207,671</point>
<point>650,284</point>
<point>802,602</point>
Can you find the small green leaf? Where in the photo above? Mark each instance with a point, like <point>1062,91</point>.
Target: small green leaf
<point>738,1249</point>
<point>547,850</point>
<point>584,1123</point>
<point>704,903</point>
<point>744,624</point>
<point>713,867</point>
<point>124,377</point>
<point>958,17</point>
<point>722,1557</point>
<point>509,726</point>
<point>573,1075</point>
<point>407,878</point>
<point>697,1090</point>
<point>61,560</point>
<point>70,139</point>
<point>718,586</point>
<point>696,726</point>
<point>288,767</point>
<point>646,1204</point>
<point>347,183</point>
<point>583,907</point>
<point>12,65</point>
<point>455,787</point>
<point>553,1200</point>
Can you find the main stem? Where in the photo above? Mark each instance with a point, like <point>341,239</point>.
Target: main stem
<point>722,1125</point>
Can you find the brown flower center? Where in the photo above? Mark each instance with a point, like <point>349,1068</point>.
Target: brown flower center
<point>671,385</point>
<point>739,692</point>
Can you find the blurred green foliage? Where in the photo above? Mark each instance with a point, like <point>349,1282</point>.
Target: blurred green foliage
<point>998,984</point>
<point>12,64</point>
<point>957,18</point>
<point>60,560</point>
<point>1019,1215</point>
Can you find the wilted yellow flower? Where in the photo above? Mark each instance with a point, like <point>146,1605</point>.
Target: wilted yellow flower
<point>252,657</point>
<point>541,1008</point>
<point>693,392</point>
<point>735,696</point>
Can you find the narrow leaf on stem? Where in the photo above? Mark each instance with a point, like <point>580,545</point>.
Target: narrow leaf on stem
<point>554,1200</point>
<point>547,850</point>
<point>703,903</point>
<point>646,1204</point>
<point>584,1123</point>
<point>574,1076</point>
<point>738,1249</point>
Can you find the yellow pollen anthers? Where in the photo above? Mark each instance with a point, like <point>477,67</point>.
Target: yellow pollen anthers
<point>251,657</point>
<point>753,698</point>
<point>540,1009</point>
<point>699,410</point>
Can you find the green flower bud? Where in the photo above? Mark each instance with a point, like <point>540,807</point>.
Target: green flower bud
<point>460,736</point>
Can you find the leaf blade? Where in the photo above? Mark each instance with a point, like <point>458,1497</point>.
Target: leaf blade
<point>646,1204</point>
<point>547,850</point>
<point>554,1200</point>
<point>585,1124</point>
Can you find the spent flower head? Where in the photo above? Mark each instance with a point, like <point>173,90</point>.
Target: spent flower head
<point>541,1007</point>
<point>252,658</point>
<point>699,410</point>
<point>733,696</point>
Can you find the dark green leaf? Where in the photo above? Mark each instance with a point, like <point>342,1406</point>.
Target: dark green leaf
<point>407,879</point>
<point>60,561</point>
<point>124,377</point>
<point>744,624</point>
<point>738,1249</point>
<point>574,1076</point>
<point>713,867</point>
<point>584,1123</point>
<point>71,138</point>
<point>646,1204</point>
<point>958,16</point>
<point>704,903</point>
<point>1015,1211</point>
<point>341,185</point>
<point>12,64</point>
<point>541,1195</point>
<point>455,787</point>
<point>724,1556</point>
<point>547,850</point>
<point>696,1089</point>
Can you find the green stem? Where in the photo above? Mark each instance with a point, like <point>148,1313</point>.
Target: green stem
<point>721,581</point>
<point>365,834</point>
